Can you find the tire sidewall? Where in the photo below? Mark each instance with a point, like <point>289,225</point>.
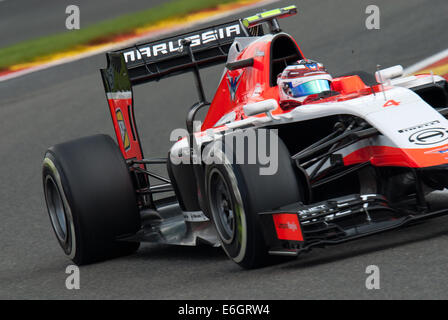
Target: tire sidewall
<point>100,204</point>
<point>51,169</point>
<point>237,248</point>
<point>253,194</point>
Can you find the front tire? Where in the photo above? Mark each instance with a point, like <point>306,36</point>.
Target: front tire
<point>90,199</point>
<point>236,193</point>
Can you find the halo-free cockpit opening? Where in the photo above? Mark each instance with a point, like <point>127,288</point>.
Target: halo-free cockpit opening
<point>284,51</point>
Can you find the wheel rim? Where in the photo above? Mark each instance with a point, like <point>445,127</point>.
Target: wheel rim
<point>56,209</point>
<point>222,207</point>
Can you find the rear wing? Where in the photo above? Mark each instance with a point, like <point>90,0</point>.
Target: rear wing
<point>152,61</point>
<point>167,57</point>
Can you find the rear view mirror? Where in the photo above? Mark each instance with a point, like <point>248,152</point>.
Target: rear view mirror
<point>239,64</point>
<point>265,106</point>
<point>383,76</point>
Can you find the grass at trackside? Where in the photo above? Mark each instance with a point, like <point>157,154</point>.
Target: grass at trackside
<point>30,50</point>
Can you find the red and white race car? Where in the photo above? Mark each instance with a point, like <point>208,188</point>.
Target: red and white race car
<point>287,158</point>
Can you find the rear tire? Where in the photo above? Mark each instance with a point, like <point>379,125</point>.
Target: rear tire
<point>90,199</point>
<point>236,193</point>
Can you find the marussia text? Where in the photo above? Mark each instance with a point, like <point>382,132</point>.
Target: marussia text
<point>174,45</point>
<point>225,309</point>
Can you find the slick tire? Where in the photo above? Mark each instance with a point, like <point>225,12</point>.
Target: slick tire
<point>90,199</point>
<point>236,193</point>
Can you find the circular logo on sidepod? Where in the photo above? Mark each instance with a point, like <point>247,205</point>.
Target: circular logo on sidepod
<point>429,136</point>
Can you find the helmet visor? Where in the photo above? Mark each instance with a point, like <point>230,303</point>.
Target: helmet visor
<point>307,88</point>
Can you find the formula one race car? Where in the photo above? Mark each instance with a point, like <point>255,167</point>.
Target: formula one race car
<point>287,158</point>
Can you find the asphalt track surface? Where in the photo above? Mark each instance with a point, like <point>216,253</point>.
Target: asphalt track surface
<point>66,102</point>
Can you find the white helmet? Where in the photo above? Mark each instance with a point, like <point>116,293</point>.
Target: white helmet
<point>304,78</point>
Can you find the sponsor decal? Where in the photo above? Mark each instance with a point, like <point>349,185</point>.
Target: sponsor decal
<point>391,103</point>
<point>420,126</point>
<point>257,91</point>
<point>173,45</point>
<point>429,136</point>
<point>123,131</point>
<point>233,83</point>
<point>287,226</point>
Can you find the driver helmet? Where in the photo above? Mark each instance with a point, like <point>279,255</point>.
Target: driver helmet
<point>302,79</point>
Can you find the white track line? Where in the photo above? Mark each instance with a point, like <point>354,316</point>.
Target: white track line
<point>118,45</point>
<point>426,62</point>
